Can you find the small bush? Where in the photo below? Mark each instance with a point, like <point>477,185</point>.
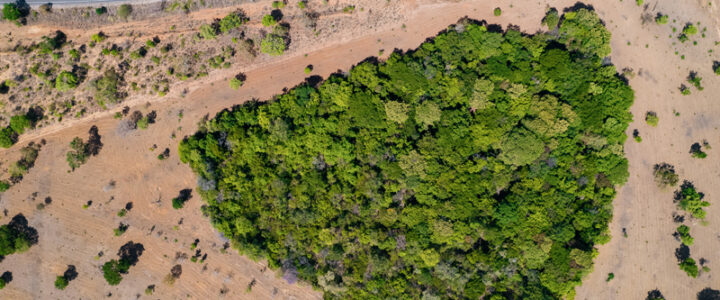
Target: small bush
<point>665,175</point>
<point>66,81</point>
<point>122,228</point>
<point>661,19</point>
<point>268,21</point>
<point>98,37</point>
<point>690,30</point>
<point>61,282</point>
<point>696,151</point>
<point>308,69</point>
<point>349,9</point>
<point>124,11</point>
<point>278,4</point>
<point>651,118</point>
<point>4,186</point>
<point>610,277</point>
<point>179,201</point>
<point>497,12</point>
<point>302,4</point>
<point>101,10</point>
<point>684,233</point>
<point>639,2</point>
<point>232,21</point>
<point>551,19</point>
<point>7,137</point>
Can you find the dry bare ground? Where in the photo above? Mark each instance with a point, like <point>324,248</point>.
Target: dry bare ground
<point>641,262</point>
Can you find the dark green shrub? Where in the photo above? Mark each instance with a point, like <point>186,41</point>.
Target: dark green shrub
<point>497,12</point>
<point>61,282</point>
<point>19,123</point>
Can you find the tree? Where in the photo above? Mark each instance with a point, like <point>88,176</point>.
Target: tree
<point>684,233</point>
<point>651,118</point>
<point>237,81</point>
<point>497,12</point>
<point>66,81</point>
<point>520,148</point>
<point>124,11</point>
<point>106,88</point>
<point>11,12</point>
<point>661,19</point>
<point>273,44</point>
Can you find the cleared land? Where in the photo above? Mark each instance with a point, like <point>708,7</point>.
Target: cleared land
<point>641,262</point>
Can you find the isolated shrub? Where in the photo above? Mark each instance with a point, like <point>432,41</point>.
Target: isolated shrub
<point>273,44</point>
<point>696,151</point>
<point>98,37</point>
<point>124,11</point>
<point>179,201</point>
<point>61,282</point>
<point>690,29</point>
<point>66,81</point>
<point>77,155</point>
<point>113,269</point>
<point>4,186</point>
<point>302,4</point>
<point>101,10</point>
<point>661,19</point>
<point>11,12</point>
<point>308,69</point>
<point>497,12</point>
<point>268,20</point>
<point>651,118</point>
<point>665,175</point>
<point>237,81</point>
<point>349,9</point>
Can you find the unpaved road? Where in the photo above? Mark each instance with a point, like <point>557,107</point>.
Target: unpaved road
<point>641,262</point>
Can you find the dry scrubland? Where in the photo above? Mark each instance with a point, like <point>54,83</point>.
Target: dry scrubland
<point>70,235</point>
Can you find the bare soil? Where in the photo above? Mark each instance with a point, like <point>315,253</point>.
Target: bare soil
<point>70,234</point>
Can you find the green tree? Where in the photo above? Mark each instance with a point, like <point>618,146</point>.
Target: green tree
<point>77,155</point>
<point>232,21</point>
<point>7,137</point>
<point>521,148</point>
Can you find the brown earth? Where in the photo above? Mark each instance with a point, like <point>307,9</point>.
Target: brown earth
<point>641,262</point>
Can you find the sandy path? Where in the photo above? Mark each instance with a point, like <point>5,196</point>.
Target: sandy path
<point>71,235</point>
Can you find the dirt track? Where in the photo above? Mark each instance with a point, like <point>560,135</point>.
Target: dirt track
<point>641,262</point>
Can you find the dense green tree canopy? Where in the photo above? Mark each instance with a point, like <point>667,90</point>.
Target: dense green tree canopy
<point>482,163</point>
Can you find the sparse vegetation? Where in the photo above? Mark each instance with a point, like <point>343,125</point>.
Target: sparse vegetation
<point>661,19</point>
<point>124,11</point>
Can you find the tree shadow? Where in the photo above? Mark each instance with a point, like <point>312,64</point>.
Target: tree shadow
<point>708,294</point>
<point>131,252</point>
